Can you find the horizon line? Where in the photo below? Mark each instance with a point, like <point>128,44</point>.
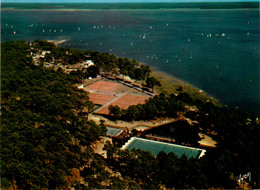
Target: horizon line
<point>131,1</point>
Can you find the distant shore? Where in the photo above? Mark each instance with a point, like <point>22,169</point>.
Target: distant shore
<point>58,42</point>
<point>125,9</point>
<point>131,6</point>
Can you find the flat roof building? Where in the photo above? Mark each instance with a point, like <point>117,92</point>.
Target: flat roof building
<point>113,132</point>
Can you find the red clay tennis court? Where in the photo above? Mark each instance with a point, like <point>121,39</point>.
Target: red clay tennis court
<point>100,99</point>
<point>124,102</point>
<point>103,86</point>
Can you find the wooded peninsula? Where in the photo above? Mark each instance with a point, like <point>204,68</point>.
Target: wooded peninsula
<point>48,140</point>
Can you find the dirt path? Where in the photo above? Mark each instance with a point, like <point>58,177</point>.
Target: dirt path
<point>207,141</point>
<point>131,125</point>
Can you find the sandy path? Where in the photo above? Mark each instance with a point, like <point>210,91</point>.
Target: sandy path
<point>131,125</point>
<point>207,141</point>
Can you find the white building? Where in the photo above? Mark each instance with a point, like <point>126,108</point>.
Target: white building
<point>44,53</point>
<point>88,63</point>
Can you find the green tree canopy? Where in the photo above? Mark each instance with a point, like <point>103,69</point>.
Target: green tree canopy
<point>151,82</point>
<point>43,137</point>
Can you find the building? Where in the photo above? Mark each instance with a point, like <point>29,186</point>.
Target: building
<point>87,64</point>
<point>113,132</point>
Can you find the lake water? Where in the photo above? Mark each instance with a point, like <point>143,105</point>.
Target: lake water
<point>217,51</point>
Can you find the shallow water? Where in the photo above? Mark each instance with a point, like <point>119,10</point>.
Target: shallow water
<point>215,50</point>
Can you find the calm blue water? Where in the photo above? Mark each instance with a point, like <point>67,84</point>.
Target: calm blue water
<point>226,65</point>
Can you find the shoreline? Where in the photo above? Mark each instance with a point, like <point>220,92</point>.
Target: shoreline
<point>169,84</point>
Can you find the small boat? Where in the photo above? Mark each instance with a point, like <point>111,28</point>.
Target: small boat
<point>188,40</point>
<point>179,61</point>
<point>14,32</point>
<point>43,30</point>
<point>60,30</point>
<point>151,27</point>
<point>223,35</point>
<point>78,28</point>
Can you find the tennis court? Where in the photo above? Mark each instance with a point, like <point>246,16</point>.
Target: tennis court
<point>124,102</point>
<point>100,99</point>
<point>155,147</point>
<point>104,86</point>
<point>108,93</point>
